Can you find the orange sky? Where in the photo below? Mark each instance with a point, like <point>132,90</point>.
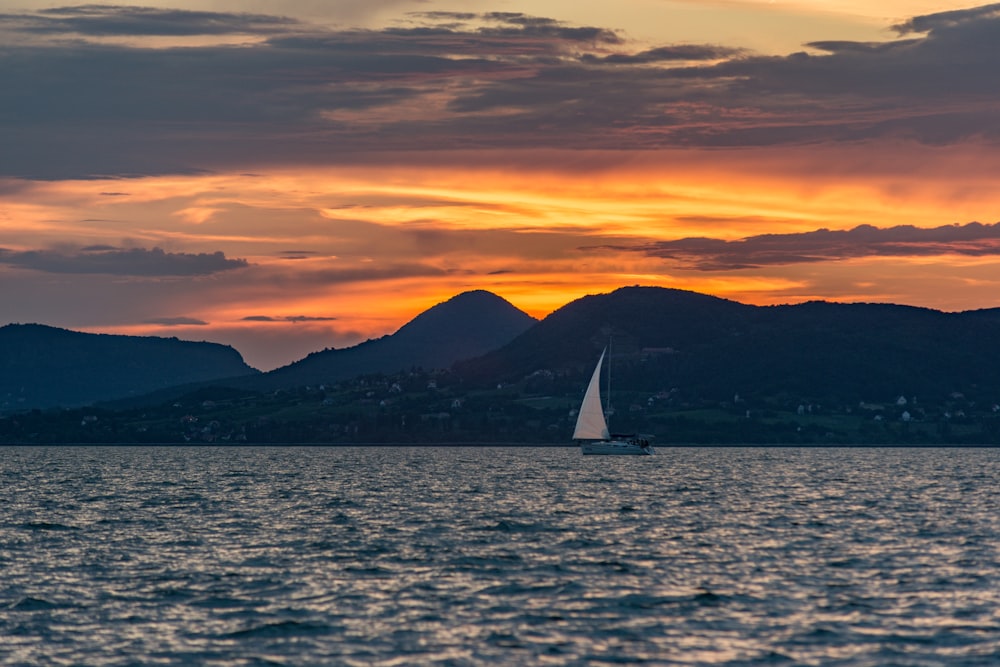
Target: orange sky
<point>427,163</point>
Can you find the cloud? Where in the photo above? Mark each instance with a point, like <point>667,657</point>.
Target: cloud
<point>103,259</point>
<point>510,25</point>
<point>77,105</point>
<point>942,21</point>
<point>681,52</point>
<point>297,254</point>
<point>287,318</point>
<point>823,245</point>
<point>308,318</point>
<point>383,271</point>
<point>176,321</point>
<point>118,20</point>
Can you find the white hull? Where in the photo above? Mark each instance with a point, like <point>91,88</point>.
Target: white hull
<point>616,447</point>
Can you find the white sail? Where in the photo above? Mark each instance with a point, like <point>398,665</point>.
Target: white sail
<point>590,423</point>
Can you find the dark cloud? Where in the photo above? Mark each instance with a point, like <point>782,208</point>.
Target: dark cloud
<point>287,318</point>
<point>176,322</point>
<point>510,25</point>
<point>102,259</point>
<point>522,25</point>
<point>117,20</point>
<point>707,254</point>
<point>948,20</point>
<point>297,254</point>
<point>81,107</point>
<point>455,18</point>
<point>309,318</point>
<point>862,48</point>
<point>679,52</point>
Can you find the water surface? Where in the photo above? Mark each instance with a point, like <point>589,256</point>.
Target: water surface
<point>467,556</point>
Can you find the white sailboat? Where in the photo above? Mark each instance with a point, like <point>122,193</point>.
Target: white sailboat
<point>592,426</point>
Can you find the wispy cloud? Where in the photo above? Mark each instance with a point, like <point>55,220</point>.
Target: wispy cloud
<point>297,254</point>
<point>666,54</point>
<point>119,20</point>
<point>287,318</point>
<point>176,322</point>
<point>823,245</point>
<point>103,259</point>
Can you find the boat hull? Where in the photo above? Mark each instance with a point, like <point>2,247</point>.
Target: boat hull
<point>616,448</point>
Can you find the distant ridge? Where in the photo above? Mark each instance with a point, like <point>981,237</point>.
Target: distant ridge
<point>632,317</point>
<point>465,326</point>
<point>712,348</point>
<point>688,368</point>
<point>43,366</point>
<point>695,348</point>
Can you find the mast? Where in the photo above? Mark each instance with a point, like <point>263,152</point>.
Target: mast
<point>608,409</point>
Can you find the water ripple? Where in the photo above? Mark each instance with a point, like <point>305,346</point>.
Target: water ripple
<point>451,556</point>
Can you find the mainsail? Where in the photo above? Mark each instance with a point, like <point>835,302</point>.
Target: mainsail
<point>590,423</point>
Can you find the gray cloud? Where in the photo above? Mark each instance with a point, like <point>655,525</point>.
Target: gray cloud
<point>707,254</point>
<point>297,254</point>
<point>119,20</point>
<point>76,107</point>
<point>102,259</point>
<point>309,318</point>
<point>176,322</point>
<point>947,20</point>
<point>661,54</point>
<point>287,318</point>
<point>515,25</point>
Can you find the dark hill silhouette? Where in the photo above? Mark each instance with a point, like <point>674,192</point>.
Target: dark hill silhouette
<point>707,348</point>
<point>570,338</point>
<point>463,327</point>
<point>815,372</point>
<point>42,366</point>
<point>714,348</point>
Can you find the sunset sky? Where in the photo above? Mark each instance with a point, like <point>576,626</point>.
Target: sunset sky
<point>289,176</point>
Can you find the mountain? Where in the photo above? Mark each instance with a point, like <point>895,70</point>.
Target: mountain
<point>686,367</point>
<point>463,327</point>
<point>712,348</point>
<point>42,366</point>
<point>631,318</point>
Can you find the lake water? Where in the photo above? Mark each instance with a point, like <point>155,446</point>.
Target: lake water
<point>499,556</point>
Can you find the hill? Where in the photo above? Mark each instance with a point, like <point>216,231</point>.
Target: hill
<point>712,349</point>
<point>467,325</point>
<point>634,318</point>
<point>42,366</point>
<point>687,368</point>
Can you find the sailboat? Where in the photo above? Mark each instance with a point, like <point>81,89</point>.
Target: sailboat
<point>592,426</point>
